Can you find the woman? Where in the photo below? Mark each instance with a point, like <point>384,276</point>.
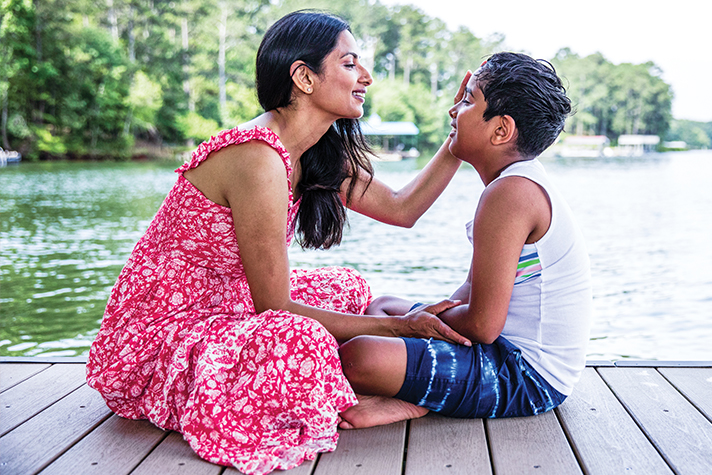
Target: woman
<point>222,342</point>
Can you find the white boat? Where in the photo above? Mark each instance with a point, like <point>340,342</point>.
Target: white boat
<point>9,156</point>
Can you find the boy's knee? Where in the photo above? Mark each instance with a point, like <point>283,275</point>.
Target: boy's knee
<point>357,361</point>
<point>376,307</point>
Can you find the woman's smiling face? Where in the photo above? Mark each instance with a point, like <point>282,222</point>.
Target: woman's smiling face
<point>340,89</point>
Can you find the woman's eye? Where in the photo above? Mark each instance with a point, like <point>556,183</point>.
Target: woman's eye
<point>350,65</point>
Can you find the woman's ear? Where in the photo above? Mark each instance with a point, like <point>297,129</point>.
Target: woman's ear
<point>302,77</point>
<point>505,130</point>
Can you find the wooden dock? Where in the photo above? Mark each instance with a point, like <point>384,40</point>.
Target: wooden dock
<point>628,417</point>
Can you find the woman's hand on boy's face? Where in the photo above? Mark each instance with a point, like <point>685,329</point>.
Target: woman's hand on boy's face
<point>422,322</point>
<point>463,85</point>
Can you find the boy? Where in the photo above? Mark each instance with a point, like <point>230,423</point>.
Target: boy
<point>526,303</point>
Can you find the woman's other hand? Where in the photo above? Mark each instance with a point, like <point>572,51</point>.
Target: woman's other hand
<point>422,322</point>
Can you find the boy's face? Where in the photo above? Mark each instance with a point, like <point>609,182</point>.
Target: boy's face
<point>470,132</point>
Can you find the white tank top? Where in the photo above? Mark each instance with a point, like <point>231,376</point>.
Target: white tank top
<point>549,315</point>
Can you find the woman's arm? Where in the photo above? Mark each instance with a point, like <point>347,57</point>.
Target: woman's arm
<point>252,181</point>
<point>405,206</point>
<point>511,212</point>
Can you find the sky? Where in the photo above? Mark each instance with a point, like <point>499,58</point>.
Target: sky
<point>675,35</point>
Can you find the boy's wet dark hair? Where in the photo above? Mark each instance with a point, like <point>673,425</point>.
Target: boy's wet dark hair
<point>531,93</point>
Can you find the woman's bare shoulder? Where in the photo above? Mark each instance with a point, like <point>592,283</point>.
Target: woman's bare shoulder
<point>245,165</point>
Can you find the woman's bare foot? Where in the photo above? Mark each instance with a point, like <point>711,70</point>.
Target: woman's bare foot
<point>379,410</point>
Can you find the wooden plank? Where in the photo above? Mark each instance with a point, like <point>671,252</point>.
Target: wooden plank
<point>173,455</point>
<point>661,364</point>
<point>34,444</point>
<point>604,436</point>
<point>377,450</point>
<point>113,448</point>
<point>445,445</point>
<point>306,468</point>
<point>599,363</point>
<point>43,359</point>
<point>695,384</point>
<point>26,399</point>
<point>677,429</point>
<point>536,445</point>
<point>12,374</point>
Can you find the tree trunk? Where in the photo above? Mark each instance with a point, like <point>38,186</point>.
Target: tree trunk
<point>408,67</point>
<point>3,123</point>
<point>186,64</point>
<point>113,22</point>
<point>39,116</point>
<point>391,66</point>
<point>222,31</point>
<point>132,37</point>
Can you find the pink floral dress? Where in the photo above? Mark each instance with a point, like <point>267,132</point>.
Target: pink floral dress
<point>181,345</point>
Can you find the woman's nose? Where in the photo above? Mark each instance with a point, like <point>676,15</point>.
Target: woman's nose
<point>366,77</point>
<point>453,111</point>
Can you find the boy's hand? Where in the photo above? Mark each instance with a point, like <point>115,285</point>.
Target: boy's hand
<point>422,322</point>
<point>437,308</point>
<point>461,91</point>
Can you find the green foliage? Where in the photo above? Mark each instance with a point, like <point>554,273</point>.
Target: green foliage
<point>79,78</point>
<point>613,99</point>
<point>47,143</point>
<point>396,101</point>
<point>695,134</point>
<point>145,100</point>
<point>242,104</point>
<point>196,127</point>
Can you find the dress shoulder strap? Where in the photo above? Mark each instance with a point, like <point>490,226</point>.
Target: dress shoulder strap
<point>237,136</point>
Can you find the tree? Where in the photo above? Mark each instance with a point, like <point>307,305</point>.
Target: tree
<point>694,134</point>
<point>614,99</point>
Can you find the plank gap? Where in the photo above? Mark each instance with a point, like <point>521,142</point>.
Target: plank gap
<point>406,440</point>
<point>569,439</point>
<point>488,439</point>
<point>637,422</point>
<point>658,445</point>
<point>77,441</point>
<point>684,393</point>
<point>166,433</point>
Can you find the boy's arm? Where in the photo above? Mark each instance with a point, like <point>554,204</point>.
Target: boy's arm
<point>389,305</point>
<point>463,292</point>
<point>511,212</point>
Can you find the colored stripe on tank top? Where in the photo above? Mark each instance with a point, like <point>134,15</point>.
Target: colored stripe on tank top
<point>529,267</point>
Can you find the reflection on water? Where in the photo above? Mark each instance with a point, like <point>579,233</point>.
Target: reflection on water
<point>67,228</point>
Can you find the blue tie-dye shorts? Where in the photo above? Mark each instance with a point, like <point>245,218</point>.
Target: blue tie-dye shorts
<point>474,382</point>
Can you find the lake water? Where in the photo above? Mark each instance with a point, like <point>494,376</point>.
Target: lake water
<point>66,230</point>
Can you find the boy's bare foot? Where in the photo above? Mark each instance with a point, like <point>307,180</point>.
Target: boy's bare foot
<point>379,410</point>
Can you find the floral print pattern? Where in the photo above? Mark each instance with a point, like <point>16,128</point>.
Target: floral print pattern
<point>181,344</point>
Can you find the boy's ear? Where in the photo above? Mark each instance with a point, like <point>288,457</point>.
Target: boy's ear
<point>302,77</point>
<point>505,130</point>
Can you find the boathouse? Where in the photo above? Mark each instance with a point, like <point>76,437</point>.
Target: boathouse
<point>391,140</point>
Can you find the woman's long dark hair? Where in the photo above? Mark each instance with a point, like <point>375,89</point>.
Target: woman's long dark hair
<point>310,36</point>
